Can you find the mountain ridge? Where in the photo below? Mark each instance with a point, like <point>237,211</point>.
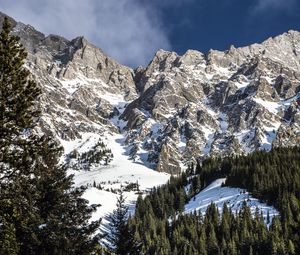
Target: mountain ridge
<point>176,110</point>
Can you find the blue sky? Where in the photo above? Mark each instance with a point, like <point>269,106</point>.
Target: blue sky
<point>131,31</point>
<point>217,24</point>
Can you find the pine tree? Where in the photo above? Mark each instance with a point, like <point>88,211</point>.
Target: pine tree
<point>40,212</point>
<point>202,246</point>
<point>119,237</point>
<point>17,102</point>
<point>224,228</point>
<point>232,248</point>
<point>17,150</point>
<point>64,227</point>
<point>212,242</point>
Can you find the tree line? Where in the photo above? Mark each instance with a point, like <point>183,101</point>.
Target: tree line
<point>161,227</point>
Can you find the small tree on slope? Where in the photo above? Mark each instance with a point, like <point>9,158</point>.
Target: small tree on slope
<point>120,237</point>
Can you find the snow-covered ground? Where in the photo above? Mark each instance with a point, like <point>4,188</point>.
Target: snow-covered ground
<point>107,201</point>
<point>120,172</point>
<point>234,197</point>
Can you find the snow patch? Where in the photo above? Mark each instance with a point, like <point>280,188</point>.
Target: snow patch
<point>272,107</point>
<point>234,197</point>
<point>121,169</point>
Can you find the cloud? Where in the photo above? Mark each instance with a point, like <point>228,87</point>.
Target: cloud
<point>130,31</point>
<point>167,3</point>
<point>278,5</point>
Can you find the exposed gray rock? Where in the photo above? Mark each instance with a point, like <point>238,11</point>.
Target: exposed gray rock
<point>178,108</point>
<point>230,102</point>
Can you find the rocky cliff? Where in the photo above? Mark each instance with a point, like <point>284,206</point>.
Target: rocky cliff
<point>221,103</point>
<point>178,108</point>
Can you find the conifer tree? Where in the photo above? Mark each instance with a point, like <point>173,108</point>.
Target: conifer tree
<point>212,242</point>
<point>17,102</point>
<point>17,150</point>
<point>119,237</point>
<point>40,212</point>
<point>64,215</point>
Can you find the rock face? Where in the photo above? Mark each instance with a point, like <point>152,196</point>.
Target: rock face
<point>82,87</point>
<point>179,108</point>
<point>222,103</point>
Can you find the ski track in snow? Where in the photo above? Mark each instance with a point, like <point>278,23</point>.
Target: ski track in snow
<point>234,197</point>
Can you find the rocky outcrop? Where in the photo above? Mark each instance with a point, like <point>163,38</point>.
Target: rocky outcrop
<point>177,109</point>
<point>222,103</point>
<point>81,86</point>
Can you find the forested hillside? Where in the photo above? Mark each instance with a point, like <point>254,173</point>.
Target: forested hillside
<point>161,228</point>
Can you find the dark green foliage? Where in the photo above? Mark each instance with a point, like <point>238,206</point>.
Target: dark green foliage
<point>17,148</point>
<point>226,234</point>
<point>120,235</point>
<point>17,91</point>
<point>64,214</point>
<point>98,154</point>
<point>272,176</point>
<point>165,200</point>
<point>132,187</point>
<point>40,212</point>
<point>17,105</point>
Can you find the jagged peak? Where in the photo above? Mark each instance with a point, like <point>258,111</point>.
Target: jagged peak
<point>54,37</point>
<point>192,57</point>
<point>78,41</point>
<point>161,54</point>
<point>192,52</point>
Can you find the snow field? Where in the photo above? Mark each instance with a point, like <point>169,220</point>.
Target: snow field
<point>121,171</point>
<point>234,197</point>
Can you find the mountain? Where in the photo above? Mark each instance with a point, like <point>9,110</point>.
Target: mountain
<point>222,103</point>
<point>129,129</point>
<point>83,94</point>
<point>178,108</point>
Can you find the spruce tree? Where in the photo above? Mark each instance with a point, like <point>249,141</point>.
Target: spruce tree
<point>64,215</point>
<point>17,102</point>
<point>40,211</point>
<point>17,150</point>
<point>119,237</point>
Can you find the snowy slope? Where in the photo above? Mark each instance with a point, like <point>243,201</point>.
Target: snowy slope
<point>121,169</point>
<point>107,201</point>
<point>234,197</point>
<point>176,109</point>
<point>119,173</point>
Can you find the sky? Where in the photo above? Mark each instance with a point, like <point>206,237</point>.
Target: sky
<point>131,31</point>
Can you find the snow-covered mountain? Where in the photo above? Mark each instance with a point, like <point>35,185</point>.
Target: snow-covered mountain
<point>83,94</point>
<point>220,103</point>
<point>126,129</point>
